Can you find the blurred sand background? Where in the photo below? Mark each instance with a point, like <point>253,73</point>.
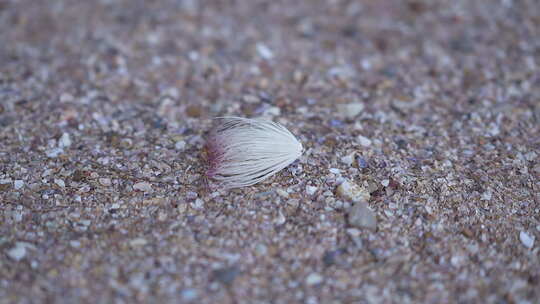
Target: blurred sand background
<point>427,109</point>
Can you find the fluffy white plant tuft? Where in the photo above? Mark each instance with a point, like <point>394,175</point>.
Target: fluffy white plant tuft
<point>242,152</point>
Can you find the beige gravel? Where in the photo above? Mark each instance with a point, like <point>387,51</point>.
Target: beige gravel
<point>431,107</point>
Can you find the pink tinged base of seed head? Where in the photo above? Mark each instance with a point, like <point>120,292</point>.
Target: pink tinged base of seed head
<point>215,154</point>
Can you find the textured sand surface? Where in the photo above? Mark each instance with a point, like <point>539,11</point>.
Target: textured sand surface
<point>426,113</point>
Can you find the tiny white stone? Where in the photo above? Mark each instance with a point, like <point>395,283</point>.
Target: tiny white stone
<point>342,72</point>
<point>138,242</point>
<point>350,110</point>
<point>162,216</point>
<point>18,184</point>
<point>364,141</point>
<point>104,161</point>
<point>180,145</point>
<point>264,51</point>
<point>348,159</point>
<point>193,56</point>
<point>261,249</point>
<point>334,170</point>
<point>143,186</point>
<point>361,216</point>
<point>105,181</point>
<point>354,232</point>
<point>531,156</point>
<point>53,153</point>
<point>282,193</point>
<point>59,182</point>
<point>314,279</point>
<point>198,204</point>
<point>526,239</point>
<point>366,64</point>
<point>64,141</point>
<point>47,172</point>
<point>310,190</point>
<point>457,260</point>
<point>66,97</point>
<point>189,294</point>
<point>273,111</point>
<point>486,196</point>
<point>280,219</point>
<point>17,253</point>
<point>385,182</point>
<point>353,192</point>
<point>18,216</point>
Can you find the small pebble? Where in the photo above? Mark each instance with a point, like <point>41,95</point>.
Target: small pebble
<point>359,215</point>
<point>364,141</point>
<point>334,171</point>
<point>198,204</point>
<point>194,111</point>
<point>310,190</point>
<point>59,182</point>
<point>314,279</point>
<point>17,253</point>
<point>64,141</point>
<point>486,196</point>
<point>272,111</point>
<point>348,159</point>
<point>264,51</point>
<point>180,145</point>
<point>362,163</point>
<point>531,156</point>
<point>53,153</point>
<point>342,72</point>
<point>189,294</point>
<point>138,242</point>
<point>353,232</point>
<point>105,181</point>
<point>18,184</point>
<point>261,249</point>
<point>336,123</point>
<point>66,97</point>
<point>280,219</point>
<point>282,193</point>
<point>332,257</point>
<point>526,239</point>
<point>143,186</point>
<point>226,275</point>
<point>350,110</point>
<point>352,192</point>
<point>191,195</point>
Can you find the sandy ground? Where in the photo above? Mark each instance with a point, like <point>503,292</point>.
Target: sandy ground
<point>430,109</point>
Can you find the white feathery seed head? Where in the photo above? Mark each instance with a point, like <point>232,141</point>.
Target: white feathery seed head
<point>242,151</point>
